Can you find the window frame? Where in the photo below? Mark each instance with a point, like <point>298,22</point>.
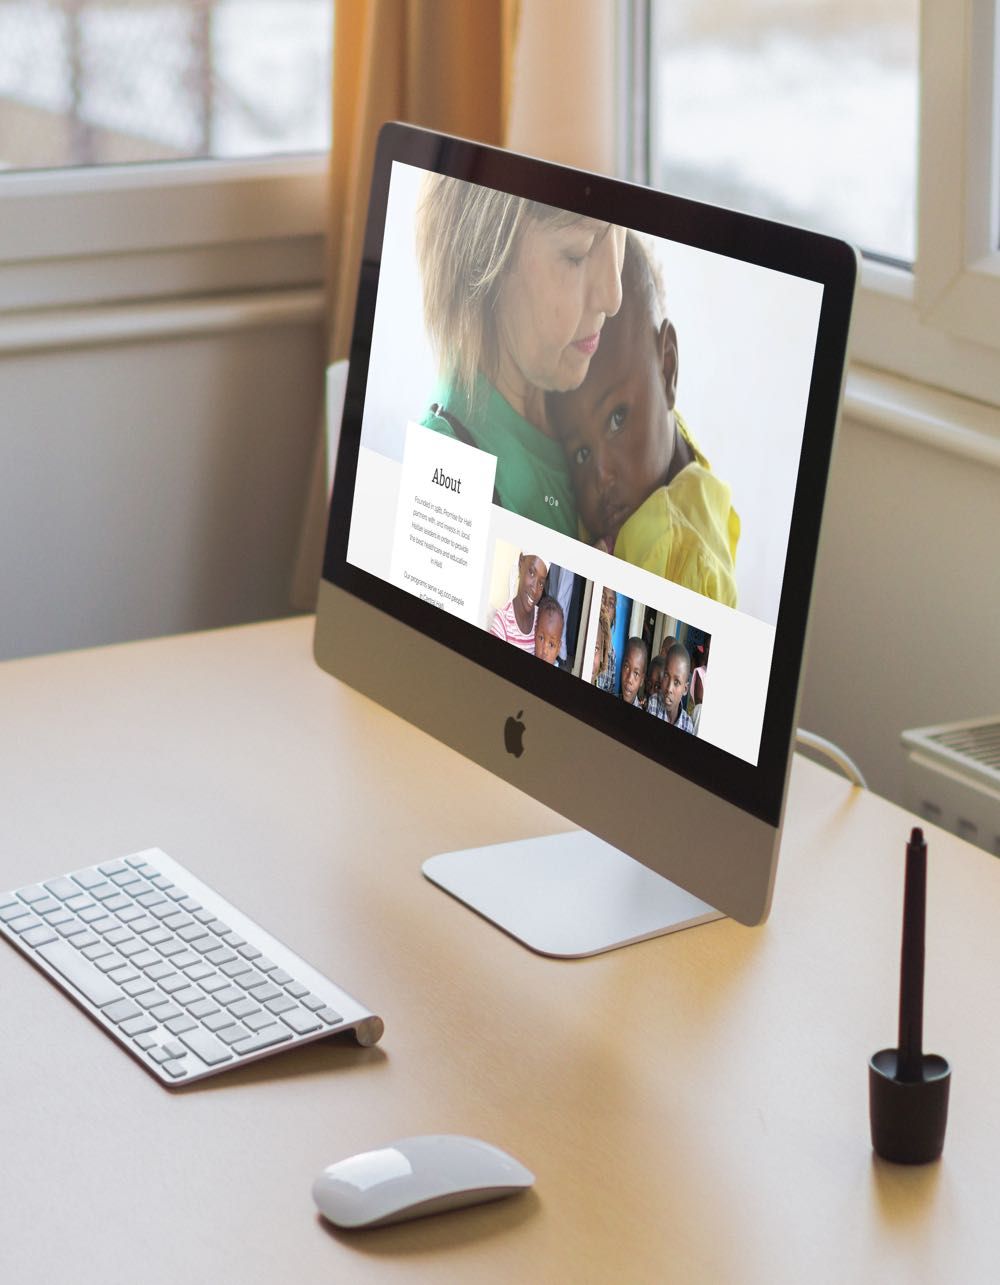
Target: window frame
<point>935,324</point>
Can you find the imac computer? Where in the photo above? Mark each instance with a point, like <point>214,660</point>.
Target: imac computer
<point>576,504</point>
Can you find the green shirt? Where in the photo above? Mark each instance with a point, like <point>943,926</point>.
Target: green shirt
<point>532,478</point>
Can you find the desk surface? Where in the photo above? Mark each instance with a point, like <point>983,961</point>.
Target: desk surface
<point>694,1108</point>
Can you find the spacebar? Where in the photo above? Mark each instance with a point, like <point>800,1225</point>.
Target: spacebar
<point>80,972</point>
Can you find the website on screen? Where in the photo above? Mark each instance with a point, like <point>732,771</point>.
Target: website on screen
<point>585,441</point>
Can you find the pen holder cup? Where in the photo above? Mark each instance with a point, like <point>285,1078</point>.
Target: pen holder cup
<point>908,1118</point>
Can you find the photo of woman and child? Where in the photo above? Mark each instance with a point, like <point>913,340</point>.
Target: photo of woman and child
<point>556,356</point>
<point>537,607</point>
<point>664,662</point>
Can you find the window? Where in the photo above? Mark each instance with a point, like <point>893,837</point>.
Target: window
<point>89,82</point>
<point>235,94</point>
<point>875,120</point>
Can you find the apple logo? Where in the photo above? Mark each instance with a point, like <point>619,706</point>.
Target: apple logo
<point>513,735</point>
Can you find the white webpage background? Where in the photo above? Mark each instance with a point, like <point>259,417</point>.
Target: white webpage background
<point>746,338</point>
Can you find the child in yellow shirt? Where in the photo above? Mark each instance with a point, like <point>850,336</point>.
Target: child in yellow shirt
<point>644,490</point>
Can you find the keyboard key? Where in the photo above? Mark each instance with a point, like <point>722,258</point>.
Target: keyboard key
<point>263,991</point>
<point>231,1034</point>
<point>120,935</point>
<point>280,1005</point>
<point>131,916</point>
<point>189,904</point>
<point>233,940</point>
<point>14,910</point>
<point>164,1012</point>
<point>45,905</point>
<point>38,936</point>
<point>178,920</point>
<point>184,959</point>
<point>175,982</point>
<point>141,986</point>
<point>266,965</point>
<point>105,924</point>
<point>146,959</point>
<point>132,949</point>
<point>80,940</point>
<point>113,868</point>
<point>108,963</point>
<point>214,983</point>
<point>157,936</point>
<point>301,1021</point>
<point>125,878</point>
<point>121,1009</point>
<point>188,995</point>
<point>312,1002</point>
<point>177,1025</point>
<point>221,955</point>
<point>273,1034</point>
<point>160,969</point>
<point>72,928</point>
<point>118,903</point>
<point>230,995</point>
<point>245,1008</point>
<point>330,1016</point>
<point>102,891</point>
<point>192,932</point>
<point>235,967</point>
<point>145,1042</point>
<point>201,1008</point>
<point>207,1047</point>
<point>87,879</point>
<point>280,977</point>
<point>150,998</point>
<point>91,913</point>
<point>161,882</point>
<point>218,1021</point>
<point>248,951</point>
<point>151,898</point>
<point>32,893</point>
<point>144,924</point>
<point>62,888</point>
<point>138,1025</point>
<point>173,1049</point>
<point>297,990</point>
<point>250,979</point>
<point>96,951</point>
<point>171,948</point>
<point>200,970</point>
<point>257,1021</point>
<point>174,1069</point>
<point>80,902</point>
<point>124,974</point>
<point>79,972</point>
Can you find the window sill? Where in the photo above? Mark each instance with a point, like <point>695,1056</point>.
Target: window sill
<point>961,427</point>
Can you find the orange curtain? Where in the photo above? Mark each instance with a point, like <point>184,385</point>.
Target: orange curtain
<point>444,64</point>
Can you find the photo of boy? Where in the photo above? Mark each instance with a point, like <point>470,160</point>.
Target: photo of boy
<point>644,490</point>
<point>673,689</point>
<point>651,687</point>
<point>549,620</point>
<point>515,622</point>
<point>633,670</point>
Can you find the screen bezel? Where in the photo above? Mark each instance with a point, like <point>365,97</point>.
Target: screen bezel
<point>757,789</point>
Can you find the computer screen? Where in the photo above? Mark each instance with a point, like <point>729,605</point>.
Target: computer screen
<point>578,492</point>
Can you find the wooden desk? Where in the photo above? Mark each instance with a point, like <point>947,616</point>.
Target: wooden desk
<point>694,1108</point>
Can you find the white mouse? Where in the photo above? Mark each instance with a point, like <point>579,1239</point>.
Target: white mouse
<point>414,1177</point>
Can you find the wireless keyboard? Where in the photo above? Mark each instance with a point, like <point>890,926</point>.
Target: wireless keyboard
<point>188,984</point>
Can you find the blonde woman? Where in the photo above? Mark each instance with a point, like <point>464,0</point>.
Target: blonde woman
<point>515,296</point>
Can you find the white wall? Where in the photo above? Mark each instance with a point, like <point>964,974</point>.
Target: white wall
<point>906,612</point>
<point>154,486</point>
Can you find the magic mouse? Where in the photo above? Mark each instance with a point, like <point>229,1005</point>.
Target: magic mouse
<point>414,1177</point>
